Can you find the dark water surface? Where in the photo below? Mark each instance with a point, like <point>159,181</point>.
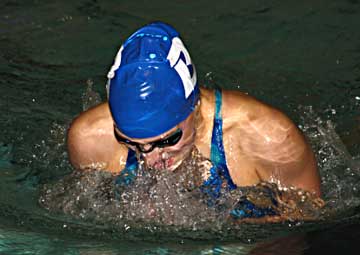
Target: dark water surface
<point>301,56</point>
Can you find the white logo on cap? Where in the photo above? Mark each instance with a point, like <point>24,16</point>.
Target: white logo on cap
<point>177,47</point>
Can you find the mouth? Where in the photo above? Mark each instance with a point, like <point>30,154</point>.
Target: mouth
<point>169,162</point>
<point>163,164</point>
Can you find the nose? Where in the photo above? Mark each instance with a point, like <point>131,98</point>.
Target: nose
<point>146,148</point>
<point>152,156</point>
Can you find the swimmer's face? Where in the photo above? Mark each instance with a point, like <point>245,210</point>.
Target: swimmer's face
<point>181,139</point>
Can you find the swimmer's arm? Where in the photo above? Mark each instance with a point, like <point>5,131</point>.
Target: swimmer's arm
<point>279,150</point>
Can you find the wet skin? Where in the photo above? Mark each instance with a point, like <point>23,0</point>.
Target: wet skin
<point>261,143</point>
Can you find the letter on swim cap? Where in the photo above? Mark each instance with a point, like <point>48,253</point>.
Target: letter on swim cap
<point>177,47</point>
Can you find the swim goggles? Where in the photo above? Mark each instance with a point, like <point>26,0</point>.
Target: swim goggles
<point>169,140</point>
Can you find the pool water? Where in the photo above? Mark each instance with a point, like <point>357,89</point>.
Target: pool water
<point>302,57</point>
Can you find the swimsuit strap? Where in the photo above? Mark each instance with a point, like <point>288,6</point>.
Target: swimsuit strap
<point>219,171</point>
<point>218,157</point>
<point>127,175</point>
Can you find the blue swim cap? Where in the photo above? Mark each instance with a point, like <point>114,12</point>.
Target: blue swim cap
<point>152,85</point>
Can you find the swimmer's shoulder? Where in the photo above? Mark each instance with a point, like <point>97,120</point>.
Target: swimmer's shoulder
<point>239,108</point>
<point>269,138</point>
<point>257,124</point>
<point>91,142</point>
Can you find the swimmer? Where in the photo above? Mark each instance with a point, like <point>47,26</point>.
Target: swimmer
<point>157,112</point>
